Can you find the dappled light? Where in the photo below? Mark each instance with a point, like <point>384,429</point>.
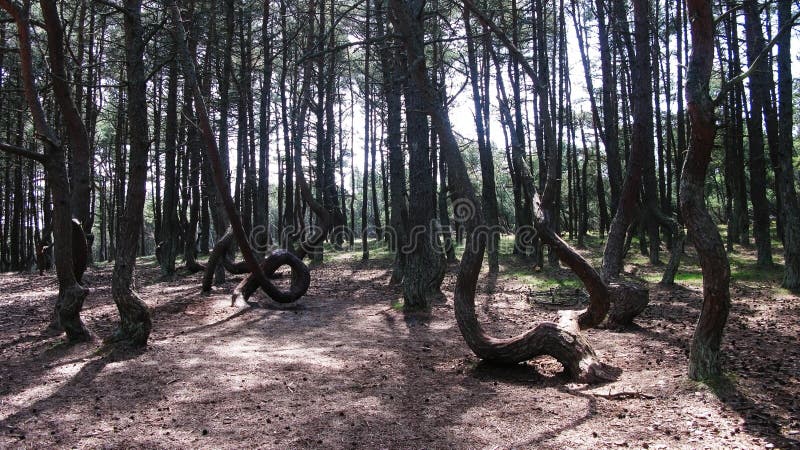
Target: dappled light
<point>399,224</point>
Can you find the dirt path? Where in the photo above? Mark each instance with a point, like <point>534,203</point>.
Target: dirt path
<point>343,369</point>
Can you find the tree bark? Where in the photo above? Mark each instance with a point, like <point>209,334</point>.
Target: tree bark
<point>704,357</point>
<point>71,293</point>
<point>169,222</point>
<point>786,183</point>
<point>567,345</point>
<point>759,89</point>
<point>135,321</point>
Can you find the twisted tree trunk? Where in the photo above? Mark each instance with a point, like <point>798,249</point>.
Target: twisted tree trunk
<point>135,322</point>
<point>562,341</point>
<point>705,350</point>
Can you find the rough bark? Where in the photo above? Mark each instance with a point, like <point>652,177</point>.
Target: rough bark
<point>704,357</point>
<point>755,131</point>
<point>73,123</point>
<point>392,87</point>
<point>135,322</point>
<point>169,222</point>
<point>71,294</point>
<point>424,265</point>
<point>641,157</point>
<point>786,184</point>
<point>564,343</point>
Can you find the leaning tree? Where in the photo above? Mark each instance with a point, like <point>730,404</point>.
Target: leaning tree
<point>259,270</point>
<point>69,248</point>
<point>562,340</point>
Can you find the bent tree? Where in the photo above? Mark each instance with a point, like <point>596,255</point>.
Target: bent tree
<point>135,323</point>
<point>705,349</point>
<point>562,341</point>
<point>258,271</point>
<point>71,294</point>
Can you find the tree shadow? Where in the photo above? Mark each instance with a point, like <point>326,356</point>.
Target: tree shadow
<point>64,393</point>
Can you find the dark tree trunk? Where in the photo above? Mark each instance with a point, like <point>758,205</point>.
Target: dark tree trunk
<point>424,265</point>
<point>135,322</point>
<point>71,294</point>
<point>785,152</point>
<point>565,344</point>
<point>169,222</point>
<point>610,108</point>
<point>392,87</point>
<point>367,135</point>
<point>758,172</point>
<point>489,190</point>
<point>73,123</point>
<point>704,357</point>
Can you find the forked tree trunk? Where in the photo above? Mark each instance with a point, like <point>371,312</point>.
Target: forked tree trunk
<point>74,126</point>
<point>705,350</point>
<point>70,293</point>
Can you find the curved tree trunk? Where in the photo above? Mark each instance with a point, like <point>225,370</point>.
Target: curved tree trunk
<point>642,144</point>
<point>563,342</point>
<point>135,321</point>
<point>258,272</point>
<point>80,175</point>
<point>71,294</point>
<point>705,350</point>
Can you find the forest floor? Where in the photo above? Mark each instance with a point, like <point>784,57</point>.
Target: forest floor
<point>344,368</point>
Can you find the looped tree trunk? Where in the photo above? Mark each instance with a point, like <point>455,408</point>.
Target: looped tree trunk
<point>301,279</point>
<point>219,256</point>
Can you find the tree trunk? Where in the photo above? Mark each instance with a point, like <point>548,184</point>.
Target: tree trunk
<point>489,190</point>
<point>71,294</point>
<point>169,222</point>
<point>135,322</point>
<point>566,345</point>
<point>704,357</point>
<point>390,66</point>
<point>791,209</point>
<point>424,265</point>
<point>755,131</point>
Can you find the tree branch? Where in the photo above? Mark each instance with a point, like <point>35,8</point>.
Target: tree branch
<point>728,85</point>
<point>114,6</point>
<point>23,152</point>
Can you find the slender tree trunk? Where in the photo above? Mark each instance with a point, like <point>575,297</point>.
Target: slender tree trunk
<point>135,322</point>
<point>755,132</point>
<point>641,156</point>
<point>489,190</point>
<point>168,244</point>
<point>390,66</point>
<point>786,181</point>
<point>704,357</point>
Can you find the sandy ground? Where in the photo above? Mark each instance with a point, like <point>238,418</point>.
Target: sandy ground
<point>343,369</point>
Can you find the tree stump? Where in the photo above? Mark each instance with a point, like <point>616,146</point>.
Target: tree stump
<point>628,300</point>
